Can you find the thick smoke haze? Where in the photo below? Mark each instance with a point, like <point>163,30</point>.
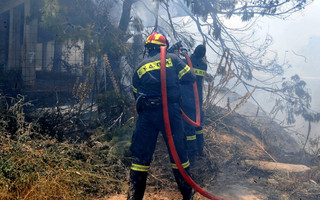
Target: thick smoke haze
<point>296,40</point>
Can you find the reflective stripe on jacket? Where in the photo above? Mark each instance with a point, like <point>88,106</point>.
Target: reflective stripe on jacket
<point>147,81</point>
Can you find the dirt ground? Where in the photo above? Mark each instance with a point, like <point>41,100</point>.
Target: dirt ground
<point>221,172</point>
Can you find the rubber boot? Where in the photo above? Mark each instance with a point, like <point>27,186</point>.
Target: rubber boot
<point>137,185</point>
<point>184,187</point>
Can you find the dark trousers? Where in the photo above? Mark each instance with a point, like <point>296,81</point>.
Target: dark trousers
<point>149,124</point>
<point>199,134</point>
<point>190,133</point>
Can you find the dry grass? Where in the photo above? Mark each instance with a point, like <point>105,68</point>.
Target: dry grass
<point>33,165</point>
<point>45,169</point>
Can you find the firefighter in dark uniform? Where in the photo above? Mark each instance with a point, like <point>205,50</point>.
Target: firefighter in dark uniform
<point>200,70</point>
<point>194,135</point>
<point>188,107</point>
<point>146,84</point>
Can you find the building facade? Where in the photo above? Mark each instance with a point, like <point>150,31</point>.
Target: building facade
<point>18,33</point>
<point>22,46</point>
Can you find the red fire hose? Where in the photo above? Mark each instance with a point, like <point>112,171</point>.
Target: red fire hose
<point>196,101</point>
<point>168,130</point>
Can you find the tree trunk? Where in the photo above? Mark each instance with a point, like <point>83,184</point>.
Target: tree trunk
<point>57,56</point>
<point>125,16</point>
<point>156,16</point>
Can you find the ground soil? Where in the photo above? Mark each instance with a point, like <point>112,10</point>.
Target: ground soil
<point>221,172</point>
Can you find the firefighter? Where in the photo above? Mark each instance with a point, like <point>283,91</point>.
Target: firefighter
<point>200,70</point>
<point>188,107</point>
<point>146,84</point>
<point>194,135</point>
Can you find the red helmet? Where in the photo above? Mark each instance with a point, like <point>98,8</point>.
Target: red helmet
<point>157,39</point>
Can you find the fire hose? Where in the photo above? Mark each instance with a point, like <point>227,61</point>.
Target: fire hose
<point>178,46</point>
<point>168,130</point>
<point>196,100</point>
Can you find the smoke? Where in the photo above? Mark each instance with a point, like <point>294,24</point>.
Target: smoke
<point>145,9</point>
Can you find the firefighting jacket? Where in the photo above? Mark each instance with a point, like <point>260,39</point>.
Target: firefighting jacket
<point>146,80</point>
